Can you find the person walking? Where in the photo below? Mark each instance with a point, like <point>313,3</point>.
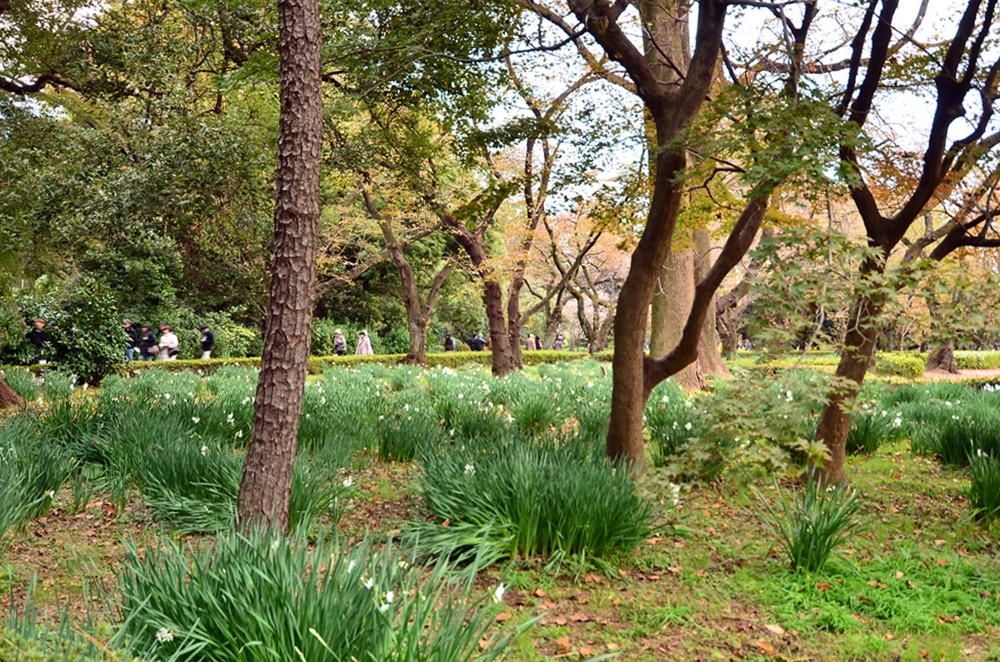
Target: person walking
<point>339,343</point>
<point>132,343</point>
<point>207,342</point>
<point>169,344</point>
<point>147,344</point>
<point>364,345</point>
<point>557,344</point>
<point>449,343</point>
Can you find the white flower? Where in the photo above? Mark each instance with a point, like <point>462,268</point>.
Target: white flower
<point>947,404</point>
<point>351,565</point>
<point>348,482</point>
<point>470,469</point>
<point>885,413</point>
<point>195,420</point>
<point>665,399</point>
<point>384,608</point>
<point>687,426</point>
<point>51,494</point>
<point>239,434</point>
<point>389,597</point>
<point>954,418</point>
<point>896,422</point>
<point>369,583</point>
<point>204,450</point>
<point>406,407</point>
<point>589,385</point>
<point>164,635</point>
<point>498,593</point>
<point>460,396</point>
<point>789,396</point>
<point>166,396</point>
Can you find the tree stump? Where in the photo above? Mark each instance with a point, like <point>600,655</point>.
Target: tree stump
<point>8,398</point>
<point>943,358</point>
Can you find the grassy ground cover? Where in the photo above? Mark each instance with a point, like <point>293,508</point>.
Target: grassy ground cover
<point>501,506</point>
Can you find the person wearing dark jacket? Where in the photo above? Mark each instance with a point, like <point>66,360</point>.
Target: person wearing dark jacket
<point>476,343</point>
<point>38,338</point>
<point>132,342</point>
<point>207,342</point>
<point>147,344</point>
<point>449,343</point>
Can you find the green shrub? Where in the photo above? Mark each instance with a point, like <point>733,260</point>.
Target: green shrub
<point>408,424</point>
<point>968,360</point>
<point>810,524</point>
<point>984,490</point>
<point>903,364</point>
<point>553,498</point>
<point>285,599</point>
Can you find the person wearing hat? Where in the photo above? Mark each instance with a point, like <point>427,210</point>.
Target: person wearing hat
<point>339,343</point>
<point>207,342</point>
<point>169,344</point>
<point>364,344</point>
<point>449,343</point>
<point>132,344</point>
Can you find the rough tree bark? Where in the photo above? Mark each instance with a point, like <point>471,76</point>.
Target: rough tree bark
<point>8,397</point>
<point>265,490</point>
<point>943,358</point>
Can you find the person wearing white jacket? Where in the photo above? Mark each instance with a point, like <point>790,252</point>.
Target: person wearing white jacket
<point>169,344</point>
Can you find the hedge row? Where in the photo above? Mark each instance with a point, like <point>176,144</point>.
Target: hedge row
<point>317,363</point>
<point>968,360</point>
<point>900,364</point>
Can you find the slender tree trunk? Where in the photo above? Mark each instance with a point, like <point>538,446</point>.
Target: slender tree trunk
<point>8,397</point>
<point>856,356</point>
<point>503,355</point>
<point>514,321</point>
<point>265,490</point>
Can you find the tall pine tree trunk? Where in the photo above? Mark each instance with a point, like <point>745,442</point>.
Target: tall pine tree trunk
<point>265,490</point>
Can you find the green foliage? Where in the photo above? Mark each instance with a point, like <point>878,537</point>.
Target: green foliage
<point>555,497</point>
<point>900,363</point>
<point>972,429</point>
<point>811,523</point>
<point>287,599</point>
<point>967,360</point>
<point>984,490</point>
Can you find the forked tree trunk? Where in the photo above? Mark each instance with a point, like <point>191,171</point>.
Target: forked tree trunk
<point>8,397</point>
<point>265,490</point>
<point>943,358</point>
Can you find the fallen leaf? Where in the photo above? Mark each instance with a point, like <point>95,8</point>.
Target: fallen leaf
<point>539,593</point>
<point>579,617</point>
<point>586,651</point>
<point>899,574</point>
<point>776,629</point>
<point>823,586</point>
<point>563,643</point>
<point>560,620</point>
<point>764,646</point>
<point>502,616</point>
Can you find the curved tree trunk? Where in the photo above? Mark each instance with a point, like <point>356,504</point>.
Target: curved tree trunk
<point>265,490</point>
<point>8,397</point>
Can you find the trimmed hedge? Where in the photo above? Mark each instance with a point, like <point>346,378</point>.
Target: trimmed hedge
<point>969,360</point>
<point>317,363</point>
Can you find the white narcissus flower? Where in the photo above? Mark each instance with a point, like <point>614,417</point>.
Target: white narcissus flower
<point>369,583</point>
<point>348,481</point>
<point>164,635</point>
<point>204,450</point>
<point>195,420</point>
<point>351,565</point>
<point>498,593</point>
<point>687,426</point>
<point>389,597</point>
<point>470,469</point>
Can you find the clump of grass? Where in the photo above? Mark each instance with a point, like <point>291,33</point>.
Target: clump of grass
<point>408,424</point>
<point>810,523</point>
<point>984,490</point>
<point>870,429</point>
<point>553,498</point>
<point>31,471</point>
<point>269,598</point>
<point>971,429</point>
<point>22,382</point>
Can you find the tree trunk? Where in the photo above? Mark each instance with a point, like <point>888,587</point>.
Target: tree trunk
<point>8,397</point>
<point>515,323</point>
<point>671,305</point>
<point>856,356</point>
<point>503,356</point>
<point>265,490</point>
<point>943,358</point>
<point>709,359</point>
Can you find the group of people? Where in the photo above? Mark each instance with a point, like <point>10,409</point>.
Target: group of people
<point>363,348</point>
<point>477,343</point>
<point>143,345</point>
